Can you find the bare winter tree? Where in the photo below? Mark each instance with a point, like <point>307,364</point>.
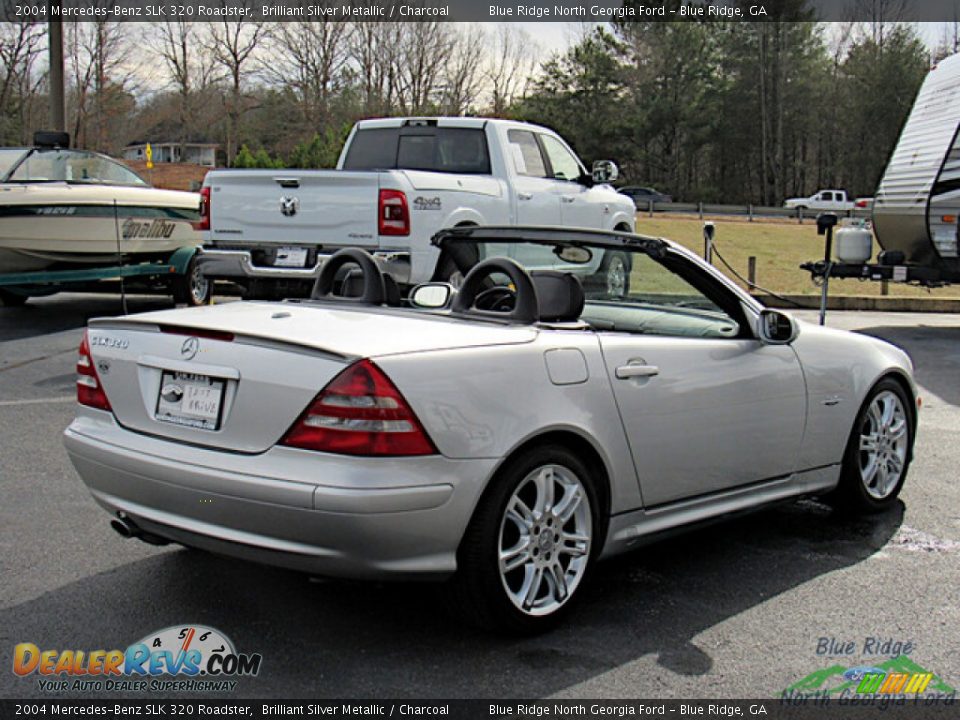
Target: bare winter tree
<point>101,70</point>
<point>463,76</point>
<point>949,37</point>
<point>233,45</point>
<point>310,59</point>
<point>426,49</point>
<point>20,44</point>
<point>190,67</point>
<point>881,15</point>
<point>375,54</point>
<point>511,68</point>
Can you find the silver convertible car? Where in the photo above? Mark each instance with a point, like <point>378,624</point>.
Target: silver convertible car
<point>504,435</point>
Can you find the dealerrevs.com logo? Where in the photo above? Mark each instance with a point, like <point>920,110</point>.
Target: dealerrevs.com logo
<point>190,658</point>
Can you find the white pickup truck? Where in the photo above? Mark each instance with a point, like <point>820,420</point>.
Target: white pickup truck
<point>397,183</point>
<point>823,201</point>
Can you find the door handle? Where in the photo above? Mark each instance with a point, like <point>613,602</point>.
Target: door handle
<point>524,196</point>
<point>635,370</point>
<point>568,198</point>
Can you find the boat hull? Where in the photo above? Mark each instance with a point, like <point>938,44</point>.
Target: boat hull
<point>58,228</point>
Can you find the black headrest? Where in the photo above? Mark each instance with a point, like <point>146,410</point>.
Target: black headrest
<point>560,295</point>
<point>349,283</point>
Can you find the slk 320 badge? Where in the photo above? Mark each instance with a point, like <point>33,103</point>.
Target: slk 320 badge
<point>107,341</point>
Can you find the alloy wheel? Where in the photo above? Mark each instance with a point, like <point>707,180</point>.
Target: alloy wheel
<point>616,277</point>
<point>884,443</point>
<point>199,285</point>
<point>545,538</point>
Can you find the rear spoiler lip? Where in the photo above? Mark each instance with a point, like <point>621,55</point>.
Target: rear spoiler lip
<point>151,326</point>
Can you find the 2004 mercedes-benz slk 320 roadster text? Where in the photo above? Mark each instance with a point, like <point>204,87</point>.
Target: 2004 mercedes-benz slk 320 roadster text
<point>506,434</point>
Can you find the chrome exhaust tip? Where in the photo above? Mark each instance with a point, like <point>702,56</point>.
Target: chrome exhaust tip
<point>123,527</point>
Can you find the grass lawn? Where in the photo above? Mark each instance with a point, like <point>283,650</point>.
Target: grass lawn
<point>779,247</point>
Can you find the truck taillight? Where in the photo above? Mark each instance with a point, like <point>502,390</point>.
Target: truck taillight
<point>394,214</point>
<point>204,222</point>
<point>89,390</point>
<point>360,412</point>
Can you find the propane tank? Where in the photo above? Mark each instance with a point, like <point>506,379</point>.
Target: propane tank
<point>853,243</point>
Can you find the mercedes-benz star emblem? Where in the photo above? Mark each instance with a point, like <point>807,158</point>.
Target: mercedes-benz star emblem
<point>189,348</point>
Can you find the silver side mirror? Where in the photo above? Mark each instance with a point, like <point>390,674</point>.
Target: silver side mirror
<point>431,296</point>
<point>605,171</point>
<point>776,328</point>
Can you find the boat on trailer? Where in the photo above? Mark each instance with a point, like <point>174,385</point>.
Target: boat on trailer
<point>64,209</point>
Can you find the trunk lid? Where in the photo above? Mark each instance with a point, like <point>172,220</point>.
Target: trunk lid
<point>330,208</point>
<point>236,376</point>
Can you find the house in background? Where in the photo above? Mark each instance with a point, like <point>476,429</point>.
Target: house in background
<point>169,152</point>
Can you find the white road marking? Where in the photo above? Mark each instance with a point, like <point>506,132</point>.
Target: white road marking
<point>38,401</point>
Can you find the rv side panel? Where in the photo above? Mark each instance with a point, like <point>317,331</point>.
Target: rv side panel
<point>918,200</point>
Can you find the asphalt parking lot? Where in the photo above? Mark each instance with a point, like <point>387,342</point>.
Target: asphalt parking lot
<point>733,610</point>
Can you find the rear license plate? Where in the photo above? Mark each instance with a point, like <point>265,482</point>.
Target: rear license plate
<point>192,400</point>
<point>290,257</point>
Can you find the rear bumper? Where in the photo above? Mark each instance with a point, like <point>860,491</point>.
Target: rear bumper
<point>318,513</point>
<point>233,264</point>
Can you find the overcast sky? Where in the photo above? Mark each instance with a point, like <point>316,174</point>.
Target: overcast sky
<point>559,35</point>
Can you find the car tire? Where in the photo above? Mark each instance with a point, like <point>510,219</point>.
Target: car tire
<point>538,524</point>
<point>448,271</point>
<point>612,278</point>
<point>878,452</point>
<point>12,299</point>
<point>192,288</point>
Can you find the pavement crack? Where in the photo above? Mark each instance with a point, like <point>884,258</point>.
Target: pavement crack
<point>15,365</point>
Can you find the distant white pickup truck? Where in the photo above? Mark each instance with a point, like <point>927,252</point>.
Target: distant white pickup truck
<point>823,201</point>
<point>397,183</point>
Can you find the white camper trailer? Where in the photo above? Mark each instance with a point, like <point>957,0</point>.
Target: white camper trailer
<point>918,201</point>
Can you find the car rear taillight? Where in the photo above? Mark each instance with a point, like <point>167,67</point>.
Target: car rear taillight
<point>394,215</point>
<point>89,390</point>
<point>360,412</point>
<point>861,203</point>
<point>204,222</point>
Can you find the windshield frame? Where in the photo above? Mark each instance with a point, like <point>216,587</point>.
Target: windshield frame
<point>23,152</point>
<point>660,249</point>
<point>473,235</point>
<point>30,152</point>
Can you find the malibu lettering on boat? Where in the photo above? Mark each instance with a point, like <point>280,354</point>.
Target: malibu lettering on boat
<point>155,229</point>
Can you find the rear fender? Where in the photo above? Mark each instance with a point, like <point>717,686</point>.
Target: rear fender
<point>180,259</point>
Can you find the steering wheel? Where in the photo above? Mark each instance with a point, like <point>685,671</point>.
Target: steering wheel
<point>499,298</point>
<point>374,288</point>
<point>525,306</point>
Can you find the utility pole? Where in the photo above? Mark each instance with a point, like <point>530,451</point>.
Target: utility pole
<point>58,113</point>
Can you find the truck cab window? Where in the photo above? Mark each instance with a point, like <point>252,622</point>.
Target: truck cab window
<point>437,149</point>
<point>527,158</point>
<point>565,164</point>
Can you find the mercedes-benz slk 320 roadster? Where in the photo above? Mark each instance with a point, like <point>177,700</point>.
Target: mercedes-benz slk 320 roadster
<point>505,435</point>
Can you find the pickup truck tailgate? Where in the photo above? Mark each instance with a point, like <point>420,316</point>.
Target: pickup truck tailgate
<point>297,207</point>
